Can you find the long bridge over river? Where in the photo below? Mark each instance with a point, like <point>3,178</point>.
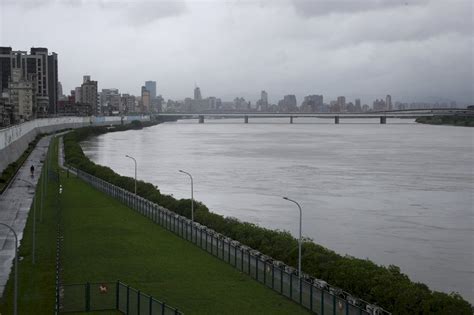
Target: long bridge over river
<point>381,115</point>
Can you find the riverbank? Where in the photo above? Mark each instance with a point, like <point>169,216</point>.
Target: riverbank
<point>104,240</point>
<point>462,121</point>
<point>361,278</point>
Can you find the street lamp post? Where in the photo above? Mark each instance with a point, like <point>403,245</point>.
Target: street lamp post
<point>15,301</point>
<point>299,241</point>
<point>33,254</point>
<point>192,194</point>
<point>135,161</point>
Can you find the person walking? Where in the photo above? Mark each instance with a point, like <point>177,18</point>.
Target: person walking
<point>32,170</point>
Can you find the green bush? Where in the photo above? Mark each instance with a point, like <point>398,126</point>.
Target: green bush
<point>385,286</point>
<point>467,121</point>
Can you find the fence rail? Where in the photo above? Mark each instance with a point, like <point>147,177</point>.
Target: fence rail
<point>106,296</point>
<point>313,294</point>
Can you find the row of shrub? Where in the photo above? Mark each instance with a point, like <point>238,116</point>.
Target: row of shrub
<point>384,286</point>
<point>466,121</point>
<point>9,172</point>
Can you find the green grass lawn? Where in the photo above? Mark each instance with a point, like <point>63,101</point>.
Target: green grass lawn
<point>105,241</point>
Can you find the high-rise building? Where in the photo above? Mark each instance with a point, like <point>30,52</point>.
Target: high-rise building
<point>21,92</point>
<point>53,83</point>
<point>110,101</point>
<point>262,104</point>
<point>288,104</point>
<point>78,94</point>
<point>388,102</point>
<point>358,107</point>
<point>379,105</point>
<point>127,103</point>
<point>60,91</point>
<point>341,101</point>
<point>312,104</point>
<point>146,100</point>
<point>38,64</point>
<point>89,95</point>
<point>197,94</point>
<point>151,87</point>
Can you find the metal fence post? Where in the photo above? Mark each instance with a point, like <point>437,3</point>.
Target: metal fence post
<point>291,286</point>
<point>281,280</point>
<point>265,273</point>
<point>311,297</point>
<point>150,305</point>
<point>273,277</point>
<point>322,302</point>
<point>138,301</point>
<point>301,287</point>
<point>128,300</point>
<point>334,304</point>
<point>163,308</point>
<point>88,297</point>
<point>248,258</point>
<point>117,295</point>
<point>256,268</point>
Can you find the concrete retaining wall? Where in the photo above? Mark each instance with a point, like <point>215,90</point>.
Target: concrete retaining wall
<point>15,139</point>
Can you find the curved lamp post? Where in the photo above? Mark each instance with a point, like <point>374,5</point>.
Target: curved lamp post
<point>192,194</point>
<point>15,302</point>
<point>299,241</point>
<point>135,161</point>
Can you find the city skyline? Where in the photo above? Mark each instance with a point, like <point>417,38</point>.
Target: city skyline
<point>409,54</point>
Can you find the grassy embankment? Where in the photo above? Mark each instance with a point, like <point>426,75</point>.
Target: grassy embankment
<point>105,241</point>
<point>464,121</point>
<point>385,286</point>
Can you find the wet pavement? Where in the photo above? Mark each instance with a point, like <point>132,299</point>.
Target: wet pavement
<point>15,203</point>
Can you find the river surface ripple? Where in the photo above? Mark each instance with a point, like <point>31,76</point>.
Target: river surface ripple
<point>400,193</point>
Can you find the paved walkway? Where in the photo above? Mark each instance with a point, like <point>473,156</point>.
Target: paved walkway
<point>15,203</point>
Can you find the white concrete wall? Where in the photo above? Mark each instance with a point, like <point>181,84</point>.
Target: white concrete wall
<point>15,139</point>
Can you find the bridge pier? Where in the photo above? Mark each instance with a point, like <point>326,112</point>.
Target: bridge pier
<point>201,119</point>
<point>383,119</point>
<point>246,119</point>
<point>336,119</point>
<point>291,119</point>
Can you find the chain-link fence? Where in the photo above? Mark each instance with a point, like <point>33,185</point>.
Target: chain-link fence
<point>88,297</point>
<point>314,294</point>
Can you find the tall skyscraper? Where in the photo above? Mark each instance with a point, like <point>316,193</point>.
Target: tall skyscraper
<point>151,87</point>
<point>388,102</point>
<point>53,83</point>
<point>263,102</point>
<point>197,93</point>
<point>146,101</point>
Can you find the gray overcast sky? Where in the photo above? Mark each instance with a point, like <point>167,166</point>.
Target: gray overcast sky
<point>415,50</point>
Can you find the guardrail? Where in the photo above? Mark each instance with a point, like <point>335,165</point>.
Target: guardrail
<point>314,294</point>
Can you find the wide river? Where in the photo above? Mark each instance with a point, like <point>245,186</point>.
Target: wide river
<point>400,193</point>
